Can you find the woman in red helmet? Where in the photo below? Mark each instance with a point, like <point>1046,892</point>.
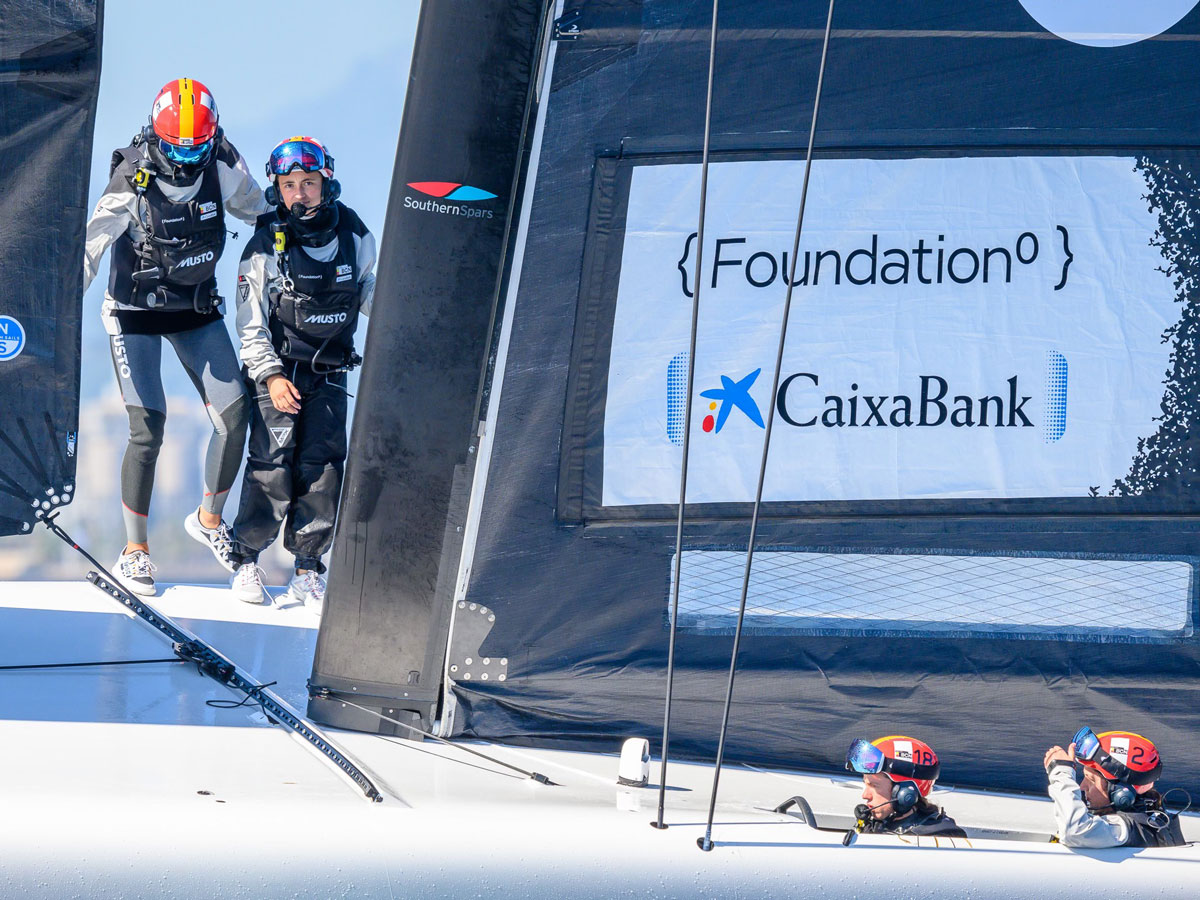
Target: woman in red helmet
<point>163,214</point>
<point>898,774</point>
<point>1115,805</point>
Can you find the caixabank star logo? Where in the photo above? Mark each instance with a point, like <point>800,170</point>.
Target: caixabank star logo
<point>732,395</point>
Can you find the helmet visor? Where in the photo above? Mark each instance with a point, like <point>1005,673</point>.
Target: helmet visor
<point>865,758</point>
<point>290,155</point>
<point>186,156</point>
<point>1086,743</point>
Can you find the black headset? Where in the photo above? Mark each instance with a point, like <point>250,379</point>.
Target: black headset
<point>1121,796</point>
<point>905,797</point>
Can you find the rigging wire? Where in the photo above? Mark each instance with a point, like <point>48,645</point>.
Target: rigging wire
<point>535,776</point>
<point>103,662</point>
<point>687,420</point>
<point>705,843</point>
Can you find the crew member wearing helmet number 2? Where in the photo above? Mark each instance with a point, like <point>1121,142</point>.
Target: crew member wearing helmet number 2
<point>163,214</point>
<point>304,278</point>
<point>1115,805</point>
<point>898,774</point>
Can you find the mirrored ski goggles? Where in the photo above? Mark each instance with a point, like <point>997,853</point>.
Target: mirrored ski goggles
<point>304,155</point>
<point>1087,746</point>
<point>186,156</point>
<point>865,758</point>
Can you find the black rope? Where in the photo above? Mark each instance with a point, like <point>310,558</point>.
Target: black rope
<point>687,424</point>
<point>535,776</point>
<point>705,842</point>
<point>103,662</point>
<point>49,522</point>
<point>251,697</point>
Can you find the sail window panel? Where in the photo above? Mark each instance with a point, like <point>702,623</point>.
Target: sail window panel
<point>1044,596</point>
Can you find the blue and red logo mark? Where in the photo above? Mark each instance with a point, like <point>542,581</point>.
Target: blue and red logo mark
<point>451,190</point>
<point>723,401</point>
<point>732,395</point>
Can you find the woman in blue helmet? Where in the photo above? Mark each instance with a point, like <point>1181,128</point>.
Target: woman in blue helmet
<point>305,277</point>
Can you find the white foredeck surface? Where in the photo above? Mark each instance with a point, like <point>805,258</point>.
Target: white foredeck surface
<point>121,782</point>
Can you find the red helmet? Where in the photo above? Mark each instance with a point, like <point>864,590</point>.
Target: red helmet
<point>910,750</point>
<point>1132,752</point>
<point>184,113</point>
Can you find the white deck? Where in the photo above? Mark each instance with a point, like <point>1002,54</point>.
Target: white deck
<point>104,769</point>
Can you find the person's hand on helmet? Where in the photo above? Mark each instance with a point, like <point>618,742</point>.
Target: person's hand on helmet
<point>1057,753</point>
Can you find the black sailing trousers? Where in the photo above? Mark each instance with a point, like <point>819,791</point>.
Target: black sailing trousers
<point>294,472</point>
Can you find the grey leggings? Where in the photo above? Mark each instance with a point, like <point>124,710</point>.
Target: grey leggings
<point>210,362</point>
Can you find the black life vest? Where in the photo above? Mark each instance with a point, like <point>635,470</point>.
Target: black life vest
<point>926,820</point>
<point>315,311</point>
<point>1152,828</point>
<point>174,268</point>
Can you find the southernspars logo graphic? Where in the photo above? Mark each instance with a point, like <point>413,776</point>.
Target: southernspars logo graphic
<point>447,198</point>
<point>12,338</point>
<point>451,190</point>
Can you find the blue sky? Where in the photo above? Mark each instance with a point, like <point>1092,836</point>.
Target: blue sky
<point>336,71</point>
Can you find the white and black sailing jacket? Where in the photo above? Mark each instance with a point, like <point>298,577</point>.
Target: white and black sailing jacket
<point>120,212</point>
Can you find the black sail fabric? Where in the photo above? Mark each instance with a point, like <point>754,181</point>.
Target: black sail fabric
<point>414,428</point>
<point>580,587</point>
<point>49,78</point>
<point>980,519</point>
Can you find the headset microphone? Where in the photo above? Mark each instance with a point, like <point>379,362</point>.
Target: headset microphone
<point>860,821</point>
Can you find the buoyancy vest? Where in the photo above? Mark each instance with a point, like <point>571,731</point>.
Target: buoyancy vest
<point>1146,832</point>
<point>925,820</point>
<point>315,311</point>
<point>174,267</point>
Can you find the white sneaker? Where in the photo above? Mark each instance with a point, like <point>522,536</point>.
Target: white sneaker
<point>247,583</point>
<point>136,572</point>
<point>308,588</point>
<point>218,539</point>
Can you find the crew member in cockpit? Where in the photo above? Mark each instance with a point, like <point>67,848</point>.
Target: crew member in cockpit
<point>1115,804</point>
<point>898,774</point>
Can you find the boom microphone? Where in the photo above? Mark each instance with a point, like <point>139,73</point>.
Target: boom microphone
<point>860,821</point>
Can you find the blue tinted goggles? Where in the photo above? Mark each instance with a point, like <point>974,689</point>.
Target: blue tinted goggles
<point>304,155</point>
<point>186,156</point>
<point>865,758</point>
<point>1087,745</point>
